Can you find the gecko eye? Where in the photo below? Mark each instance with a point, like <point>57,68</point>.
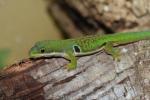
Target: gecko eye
<point>42,51</point>
<point>76,48</point>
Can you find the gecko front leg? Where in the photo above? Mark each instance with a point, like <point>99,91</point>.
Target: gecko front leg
<point>73,61</point>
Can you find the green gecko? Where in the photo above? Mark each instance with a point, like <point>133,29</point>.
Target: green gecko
<point>72,48</point>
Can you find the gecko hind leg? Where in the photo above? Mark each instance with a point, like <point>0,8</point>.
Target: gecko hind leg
<point>115,52</point>
<point>73,61</point>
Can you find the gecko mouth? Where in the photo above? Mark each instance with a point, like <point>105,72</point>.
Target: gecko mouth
<point>35,55</point>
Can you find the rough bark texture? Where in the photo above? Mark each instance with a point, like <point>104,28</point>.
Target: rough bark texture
<point>97,76</point>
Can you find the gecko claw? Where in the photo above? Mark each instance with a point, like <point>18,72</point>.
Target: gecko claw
<point>71,66</point>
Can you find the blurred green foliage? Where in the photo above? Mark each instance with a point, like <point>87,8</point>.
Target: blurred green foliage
<point>4,54</point>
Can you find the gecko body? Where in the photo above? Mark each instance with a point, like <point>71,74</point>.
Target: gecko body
<point>71,48</point>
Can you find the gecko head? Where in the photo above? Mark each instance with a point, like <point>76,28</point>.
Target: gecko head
<point>35,51</point>
<point>45,49</point>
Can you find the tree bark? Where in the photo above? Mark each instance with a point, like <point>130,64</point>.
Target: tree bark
<point>87,17</point>
<point>97,76</point>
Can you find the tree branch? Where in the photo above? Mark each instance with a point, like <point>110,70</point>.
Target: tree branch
<point>97,76</point>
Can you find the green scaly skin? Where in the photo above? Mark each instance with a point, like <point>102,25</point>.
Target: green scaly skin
<point>70,48</point>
